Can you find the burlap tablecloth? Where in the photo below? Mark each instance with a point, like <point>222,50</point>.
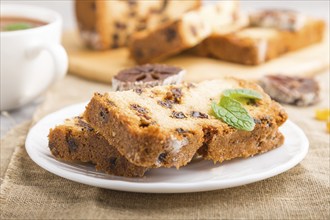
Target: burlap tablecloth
<point>30,192</point>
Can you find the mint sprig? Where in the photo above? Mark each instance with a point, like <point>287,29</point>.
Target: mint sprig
<point>232,112</point>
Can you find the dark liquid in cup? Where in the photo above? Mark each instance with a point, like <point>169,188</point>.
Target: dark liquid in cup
<point>18,23</point>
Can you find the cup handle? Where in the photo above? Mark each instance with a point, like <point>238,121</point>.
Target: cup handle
<point>60,59</point>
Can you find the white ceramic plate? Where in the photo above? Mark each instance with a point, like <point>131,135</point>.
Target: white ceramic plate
<point>198,176</point>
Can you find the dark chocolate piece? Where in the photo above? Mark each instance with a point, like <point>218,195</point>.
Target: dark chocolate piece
<point>300,91</point>
<point>147,73</point>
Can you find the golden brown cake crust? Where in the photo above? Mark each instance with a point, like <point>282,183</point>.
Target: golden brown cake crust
<point>77,141</point>
<point>151,131</point>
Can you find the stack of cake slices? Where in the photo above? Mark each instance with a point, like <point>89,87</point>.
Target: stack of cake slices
<point>222,32</point>
<point>126,133</point>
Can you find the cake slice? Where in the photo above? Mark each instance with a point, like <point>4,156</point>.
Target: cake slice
<point>185,32</point>
<point>109,24</point>
<point>202,49</point>
<point>256,45</point>
<point>167,125</point>
<point>77,141</point>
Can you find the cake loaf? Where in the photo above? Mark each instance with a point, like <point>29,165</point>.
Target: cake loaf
<point>255,45</point>
<point>167,125</point>
<point>77,141</point>
<point>109,24</point>
<point>185,32</point>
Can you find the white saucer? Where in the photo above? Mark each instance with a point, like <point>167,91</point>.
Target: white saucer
<point>198,176</point>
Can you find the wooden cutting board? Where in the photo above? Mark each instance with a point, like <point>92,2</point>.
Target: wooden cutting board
<point>102,66</point>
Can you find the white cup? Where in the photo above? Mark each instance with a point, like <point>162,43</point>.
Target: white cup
<point>31,59</point>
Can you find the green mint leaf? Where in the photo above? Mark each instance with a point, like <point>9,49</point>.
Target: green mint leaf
<point>242,93</point>
<point>17,26</point>
<point>233,113</point>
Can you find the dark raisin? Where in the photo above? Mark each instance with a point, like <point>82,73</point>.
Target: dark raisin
<point>138,53</point>
<point>143,124</point>
<point>142,112</point>
<point>112,162</point>
<point>84,125</point>
<point>73,146</point>
<point>139,109</point>
<point>196,114</point>
<point>138,91</point>
<point>170,34</point>
<point>115,39</point>
<point>177,93</point>
<point>181,131</point>
<point>166,103</point>
<point>120,25</point>
<point>257,121</point>
<point>162,157</point>
<point>104,114</point>
<point>209,133</point>
<point>178,115</point>
<point>252,102</point>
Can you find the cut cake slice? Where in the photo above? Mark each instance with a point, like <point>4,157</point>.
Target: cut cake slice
<point>76,140</point>
<point>185,32</point>
<point>167,125</point>
<point>109,24</point>
<point>256,45</point>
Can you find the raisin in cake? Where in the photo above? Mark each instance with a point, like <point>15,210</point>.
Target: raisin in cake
<point>167,125</point>
<point>183,33</point>
<point>109,24</point>
<point>76,140</point>
<point>257,44</point>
